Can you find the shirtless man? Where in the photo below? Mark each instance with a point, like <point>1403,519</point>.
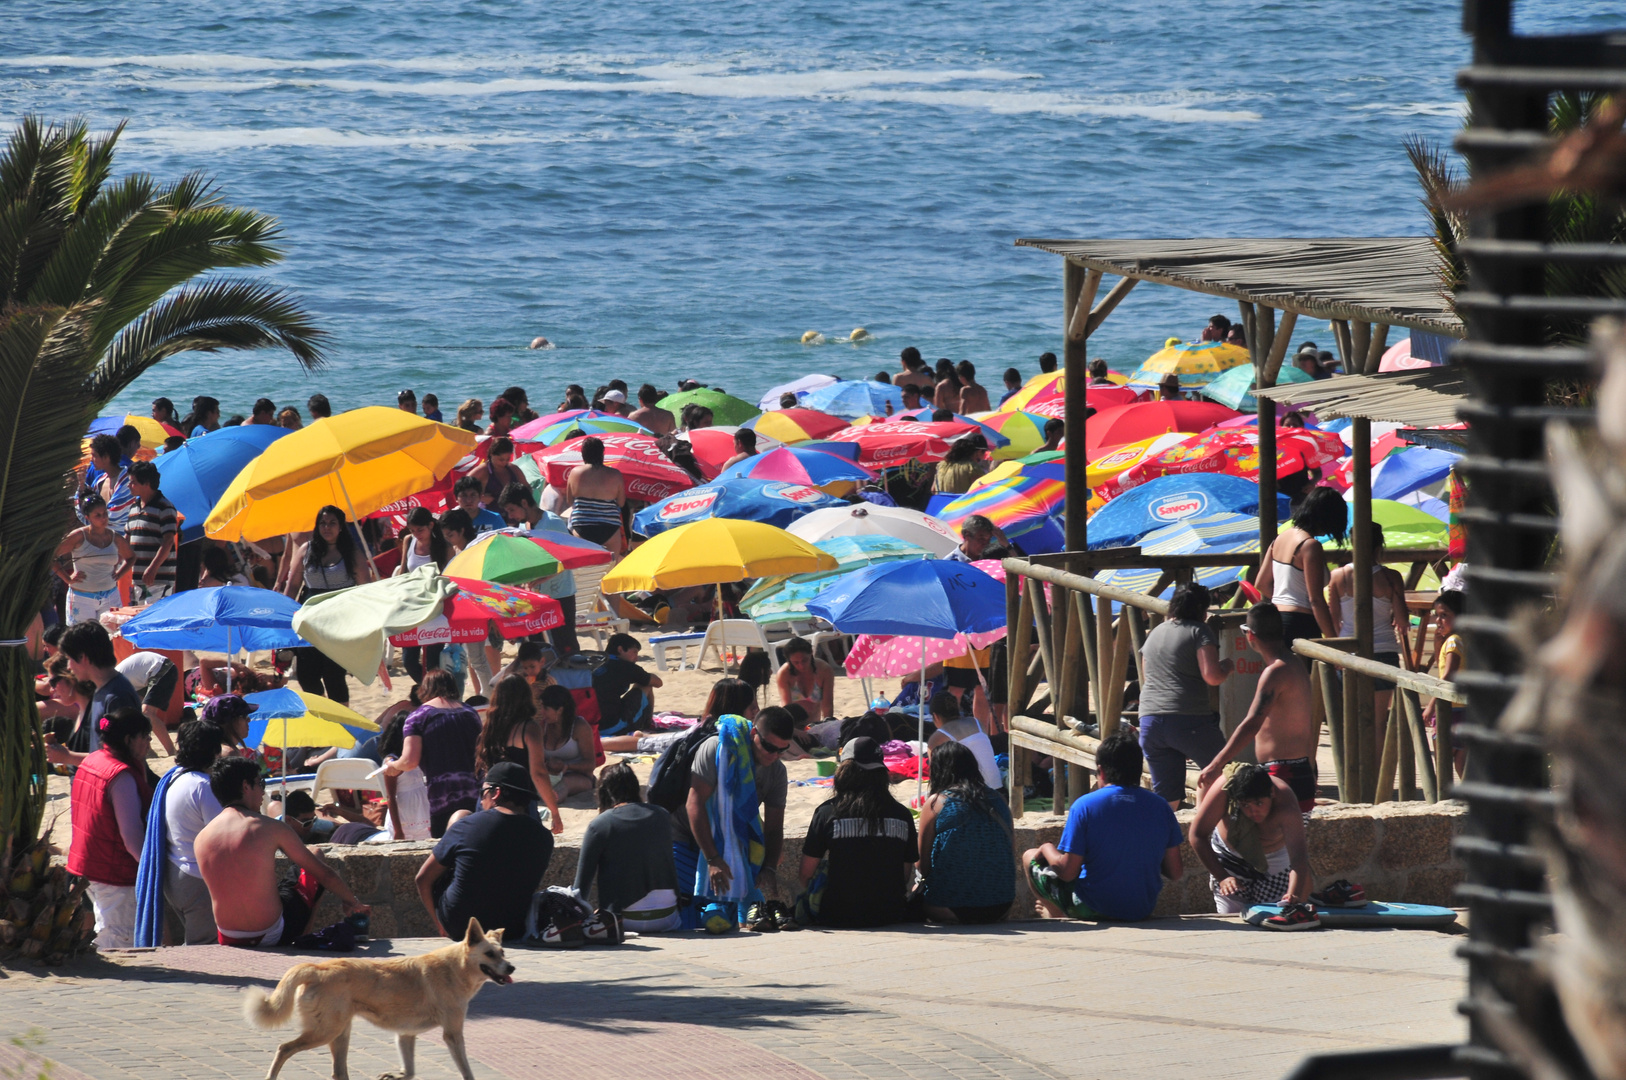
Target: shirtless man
<point>1278,721</point>
<point>973,396</point>
<point>595,494</point>
<point>745,446</point>
<point>1249,833</point>
<point>660,421</point>
<point>914,373</point>
<point>236,854</point>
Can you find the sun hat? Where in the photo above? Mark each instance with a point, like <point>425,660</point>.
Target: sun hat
<point>616,396</point>
<point>864,752</point>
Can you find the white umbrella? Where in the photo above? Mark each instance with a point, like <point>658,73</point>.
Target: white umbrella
<point>869,519</point>
<point>770,400</point>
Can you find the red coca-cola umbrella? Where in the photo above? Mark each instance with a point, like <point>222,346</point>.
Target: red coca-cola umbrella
<point>1146,419</point>
<point>898,441</point>
<point>650,475</point>
<point>517,613</point>
<point>1100,398</point>
<point>714,445</point>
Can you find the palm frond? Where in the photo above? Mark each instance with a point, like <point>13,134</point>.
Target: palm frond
<point>221,314</point>
<point>1439,179</point>
<point>103,241</point>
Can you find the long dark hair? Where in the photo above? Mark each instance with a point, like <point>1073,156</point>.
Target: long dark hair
<point>439,550</point>
<point>511,707</point>
<point>316,553</point>
<point>201,406</point>
<point>955,772</point>
<point>1322,512</point>
<point>863,793</point>
<point>557,697</point>
<point>729,697</point>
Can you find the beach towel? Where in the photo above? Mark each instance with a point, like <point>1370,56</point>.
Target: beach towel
<point>149,925</point>
<point>352,627</point>
<point>736,820</point>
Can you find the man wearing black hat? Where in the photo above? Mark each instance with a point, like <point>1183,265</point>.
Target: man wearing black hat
<point>496,858</point>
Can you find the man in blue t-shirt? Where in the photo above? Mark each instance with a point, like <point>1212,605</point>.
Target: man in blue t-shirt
<point>1119,839</point>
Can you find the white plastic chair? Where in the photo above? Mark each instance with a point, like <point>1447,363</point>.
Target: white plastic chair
<point>739,634</point>
<point>347,774</point>
<point>593,615</point>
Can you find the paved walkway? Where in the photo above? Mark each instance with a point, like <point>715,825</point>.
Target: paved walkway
<point>1185,997</point>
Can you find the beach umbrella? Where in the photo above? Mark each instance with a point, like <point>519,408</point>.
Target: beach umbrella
<point>783,598</point>
<point>724,408</point>
<point>796,465</point>
<point>868,519</point>
<point>517,613</point>
<point>224,619</point>
<point>854,397</point>
<point>1047,386</point>
<point>796,425</point>
<point>886,445</point>
<point>505,558</point>
<point>1007,469</point>
<point>1411,469</point>
<point>1022,433</point>
<point>1234,389</point>
<point>1398,357</point>
<point>1127,456</point>
<point>925,598</point>
<point>1015,504</point>
<point>1170,499</point>
<point>197,474</point>
<point>287,717</point>
<point>648,472</point>
<point>153,432</point>
<point>984,422</point>
<point>1234,451</point>
<point>1131,423</point>
<point>845,450</point>
<point>774,502</point>
<point>359,461</point>
<point>711,552</point>
<point>799,387</point>
<point>1403,526</point>
<point>1106,397</point>
<point>712,446</point>
<point>1197,363</point>
<point>588,423</point>
<point>1213,534</point>
<point>572,551</point>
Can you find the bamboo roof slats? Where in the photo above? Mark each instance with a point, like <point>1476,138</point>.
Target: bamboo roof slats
<point>1421,399</point>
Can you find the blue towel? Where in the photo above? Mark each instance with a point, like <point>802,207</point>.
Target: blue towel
<point>736,819</point>
<point>149,925</point>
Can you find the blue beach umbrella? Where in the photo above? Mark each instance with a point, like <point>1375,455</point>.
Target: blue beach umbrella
<point>196,475</point>
<point>1211,534</point>
<point>848,450</point>
<point>784,599</point>
<point>927,598</point>
<point>1408,470</point>
<point>1170,499</point>
<point>224,620</point>
<point>772,502</point>
<point>854,397</point>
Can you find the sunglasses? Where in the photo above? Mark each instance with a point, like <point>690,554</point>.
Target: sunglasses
<point>773,748</point>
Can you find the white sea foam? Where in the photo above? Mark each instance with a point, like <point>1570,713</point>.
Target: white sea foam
<point>1416,108</point>
<point>241,138</point>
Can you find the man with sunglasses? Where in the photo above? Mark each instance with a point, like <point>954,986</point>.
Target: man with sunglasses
<point>692,837</point>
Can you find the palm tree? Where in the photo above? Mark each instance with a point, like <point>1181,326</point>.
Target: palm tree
<point>97,284</point>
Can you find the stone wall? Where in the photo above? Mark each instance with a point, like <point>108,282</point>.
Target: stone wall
<point>1398,851</point>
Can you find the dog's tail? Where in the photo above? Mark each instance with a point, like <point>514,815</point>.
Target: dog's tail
<point>271,1010</point>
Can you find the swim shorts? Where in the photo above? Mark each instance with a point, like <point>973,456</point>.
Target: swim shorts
<point>1299,774</point>
<point>1051,887</point>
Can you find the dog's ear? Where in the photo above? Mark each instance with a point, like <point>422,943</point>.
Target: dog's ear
<point>495,937</point>
<point>474,935</point>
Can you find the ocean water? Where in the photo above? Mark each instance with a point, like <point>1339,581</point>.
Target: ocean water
<point>668,191</point>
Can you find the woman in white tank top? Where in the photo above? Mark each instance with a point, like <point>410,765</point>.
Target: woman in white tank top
<point>1391,621</point>
<point>99,557</point>
<point>1293,573</point>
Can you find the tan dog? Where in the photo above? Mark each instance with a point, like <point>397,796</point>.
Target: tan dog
<point>407,996</point>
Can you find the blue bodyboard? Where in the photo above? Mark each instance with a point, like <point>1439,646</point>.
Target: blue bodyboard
<point>1373,913</point>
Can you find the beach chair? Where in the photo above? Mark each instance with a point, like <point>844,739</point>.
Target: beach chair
<point>593,615</point>
<point>346,774</point>
<point>738,634</point>
<point>660,644</point>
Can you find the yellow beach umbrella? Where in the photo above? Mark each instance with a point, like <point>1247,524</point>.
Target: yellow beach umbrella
<point>713,551</point>
<point>289,717</point>
<point>1196,363</point>
<point>359,461</point>
<point>1126,457</point>
<point>1041,387</point>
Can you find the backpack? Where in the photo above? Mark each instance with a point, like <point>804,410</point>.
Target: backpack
<point>669,779</point>
<point>871,726</point>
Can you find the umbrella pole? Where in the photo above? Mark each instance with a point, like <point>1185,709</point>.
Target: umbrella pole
<point>920,712</point>
<point>228,658</point>
<point>360,534</point>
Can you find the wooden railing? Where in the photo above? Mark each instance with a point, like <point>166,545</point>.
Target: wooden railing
<point>1084,655</point>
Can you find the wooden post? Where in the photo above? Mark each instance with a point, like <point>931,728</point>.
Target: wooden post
<point>1389,760</point>
<point>1335,725</point>
<point>1245,311</point>
<point>1123,645</point>
<point>1018,639</point>
<point>1408,755</point>
<point>1282,341</point>
<point>1076,367</point>
<point>1340,336</point>
<point>1267,475</point>
<point>1104,643</point>
<point>1360,339</point>
<point>1419,742</point>
<point>1353,792</point>
<point>1099,313</point>
<point>1041,625</point>
<point>1137,640</point>
<point>1361,544</point>
<point>1264,326</point>
<point>1374,348</point>
<point>1084,603</point>
<point>1444,750</point>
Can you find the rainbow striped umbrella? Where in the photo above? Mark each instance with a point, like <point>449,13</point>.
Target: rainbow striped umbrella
<point>588,423</point>
<point>1197,363</point>
<point>1015,504</point>
<point>1037,390</point>
<point>1023,430</point>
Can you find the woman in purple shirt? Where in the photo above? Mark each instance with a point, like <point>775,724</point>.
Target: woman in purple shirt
<point>441,736</point>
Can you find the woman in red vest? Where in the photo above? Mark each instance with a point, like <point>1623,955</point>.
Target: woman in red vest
<point>111,791</point>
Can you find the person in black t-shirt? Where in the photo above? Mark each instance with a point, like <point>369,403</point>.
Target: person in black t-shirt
<point>625,691</point>
<point>867,841</point>
<point>496,857</point>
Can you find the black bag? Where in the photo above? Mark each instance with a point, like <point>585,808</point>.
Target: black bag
<point>556,918</point>
<point>669,779</point>
<point>869,726</point>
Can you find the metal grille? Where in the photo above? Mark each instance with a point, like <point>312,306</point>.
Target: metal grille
<point>1509,311</point>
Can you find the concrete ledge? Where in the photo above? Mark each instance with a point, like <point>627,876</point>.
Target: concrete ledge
<point>1398,851</point>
